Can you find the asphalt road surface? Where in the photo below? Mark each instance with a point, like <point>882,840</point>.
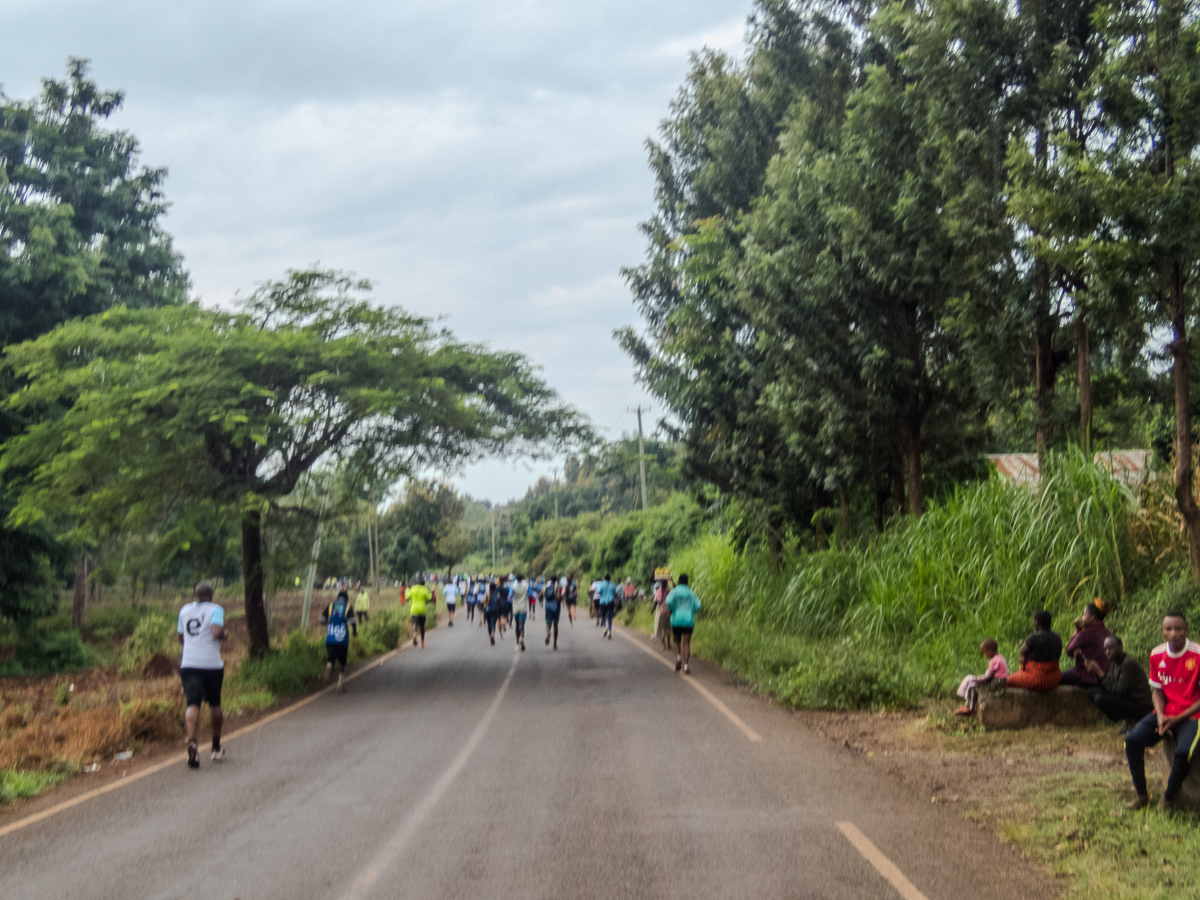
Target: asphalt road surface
<point>471,771</point>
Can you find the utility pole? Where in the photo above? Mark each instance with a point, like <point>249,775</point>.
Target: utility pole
<point>556,493</point>
<point>642,456</point>
<point>493,537</point>
<point>312,564</point>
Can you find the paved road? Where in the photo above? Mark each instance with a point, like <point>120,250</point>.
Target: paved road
<point>471,771</point>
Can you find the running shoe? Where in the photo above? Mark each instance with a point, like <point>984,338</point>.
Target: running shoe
<point>414,642</point>
<point>341,688</point>
<point>193,755</point>
<point>422,643</point>
<point>328,669</point>
<point>450,624</point>
<point>492,638</point>
<point>687,671</point>
<point>522,646</point>
<point>218,754</point>
<point>547,640</point>
<point>678,663</point>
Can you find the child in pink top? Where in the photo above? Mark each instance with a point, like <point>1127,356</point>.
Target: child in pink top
<point>997,667</point>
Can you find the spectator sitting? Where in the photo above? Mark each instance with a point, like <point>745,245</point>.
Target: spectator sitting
<point>1087,645</point>
<point>1124,691</point>
<point>997,667</point>
<point>1175,679</point>
<point>1039,657</point>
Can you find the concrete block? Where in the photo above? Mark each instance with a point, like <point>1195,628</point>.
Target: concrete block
<point>1010,708</point>
<point>1188,797</point>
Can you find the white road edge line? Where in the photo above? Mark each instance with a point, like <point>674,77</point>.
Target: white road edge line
<point>399,841</point>
<point>882,864</point>
<point>173,760</point>
<point>704,692</point>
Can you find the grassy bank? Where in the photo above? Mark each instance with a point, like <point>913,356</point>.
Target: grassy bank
<point>889,621</point>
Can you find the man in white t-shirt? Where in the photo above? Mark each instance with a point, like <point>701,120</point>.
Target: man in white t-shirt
<point>201,629</point>
<point>450,596</point>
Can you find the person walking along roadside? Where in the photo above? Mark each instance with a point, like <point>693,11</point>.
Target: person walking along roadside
<point>683,604</point>
<point>1175,681</point>
<point>201,629</point>
<point>520,609</point>
<point>606,593</point>
<point>420,597</point>
<point>339,619</point>
<point>362,605</point>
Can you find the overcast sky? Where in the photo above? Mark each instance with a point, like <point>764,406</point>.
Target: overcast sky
<point>481,161</point>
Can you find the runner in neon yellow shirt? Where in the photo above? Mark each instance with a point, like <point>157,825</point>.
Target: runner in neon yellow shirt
<point>420,597</point>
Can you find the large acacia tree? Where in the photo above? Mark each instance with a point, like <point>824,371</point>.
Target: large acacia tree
<point>166,410</point>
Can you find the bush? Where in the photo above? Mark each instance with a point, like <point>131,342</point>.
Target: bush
<point>381,633</point>
<point>16,785</point>
<point>154,634</point>
<point>109,621</point>
<point>285,672</point>
<point>43,653</point>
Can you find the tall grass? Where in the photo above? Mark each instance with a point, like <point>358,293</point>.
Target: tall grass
<point>924,594</point>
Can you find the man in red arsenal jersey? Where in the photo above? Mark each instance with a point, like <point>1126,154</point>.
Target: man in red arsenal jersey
<point>1175,681</point>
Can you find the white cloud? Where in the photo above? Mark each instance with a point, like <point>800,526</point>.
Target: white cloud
<point>480,161</point>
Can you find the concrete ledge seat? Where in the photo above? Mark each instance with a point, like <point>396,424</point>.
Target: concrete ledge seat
<point>1009,708</point>
<point>1189,795</point>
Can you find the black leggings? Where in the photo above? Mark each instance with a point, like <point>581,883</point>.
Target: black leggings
<point>419,625</point>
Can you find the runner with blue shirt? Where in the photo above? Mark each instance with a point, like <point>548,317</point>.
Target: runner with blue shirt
<point>201,629</point>
<point>339,621</point>
<point>607,593</point>
<point>683,604</point>
<point>552,601</point>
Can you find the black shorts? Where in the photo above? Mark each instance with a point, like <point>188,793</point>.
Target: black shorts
<point>574,602</point>
<point>680,630</point>
<point>337,653</point>
<point>551,617</point>
<point>419,622</point>
<point>450,606</point>
<point>202,686</point>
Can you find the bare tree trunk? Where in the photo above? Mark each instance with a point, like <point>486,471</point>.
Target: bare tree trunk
<point>252,579</point>
<point>916,490</point>
<point>1043,387</point>
<point>1084,351</point>
<point>79,601</point>
<point>1184,496</point>
<point>899,501</point>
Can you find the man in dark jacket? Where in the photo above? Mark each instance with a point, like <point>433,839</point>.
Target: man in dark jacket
<point>1124,692</point>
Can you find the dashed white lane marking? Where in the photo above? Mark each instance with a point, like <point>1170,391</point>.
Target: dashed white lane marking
<point>399,841</point>
<point>882,864</point>
<point>704,692</point>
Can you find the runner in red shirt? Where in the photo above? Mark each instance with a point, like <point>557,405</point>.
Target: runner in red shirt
<point>1175,681</point>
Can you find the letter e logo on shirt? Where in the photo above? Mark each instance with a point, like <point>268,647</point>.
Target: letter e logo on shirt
<point>193,626</point>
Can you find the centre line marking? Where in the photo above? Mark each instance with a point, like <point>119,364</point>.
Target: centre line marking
<point>704,692</point>
<point>882,864</point>
<point>392,850</point>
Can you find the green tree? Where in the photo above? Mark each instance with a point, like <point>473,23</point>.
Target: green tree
<point>174,406</point>
<point>79,232</point>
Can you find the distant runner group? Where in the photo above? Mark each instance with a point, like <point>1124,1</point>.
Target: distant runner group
<point>498,602</point>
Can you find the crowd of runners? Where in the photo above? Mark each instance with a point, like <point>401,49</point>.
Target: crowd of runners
<point>499,603</point>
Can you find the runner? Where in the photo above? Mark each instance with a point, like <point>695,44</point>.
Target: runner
<point>535,591</point>
<point>491,609</point>
<point>420,597</point>
<point>607,594</point>
<point>594,601</point>
<point>471,597</point>
<point>450,597</point>
<point>506,606</point>
<point>683,604</point>
<point>520,608</point>
<point>201,629</point>
<point>340,619</point>
<point>572,592</point>
<point>552,602</point>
